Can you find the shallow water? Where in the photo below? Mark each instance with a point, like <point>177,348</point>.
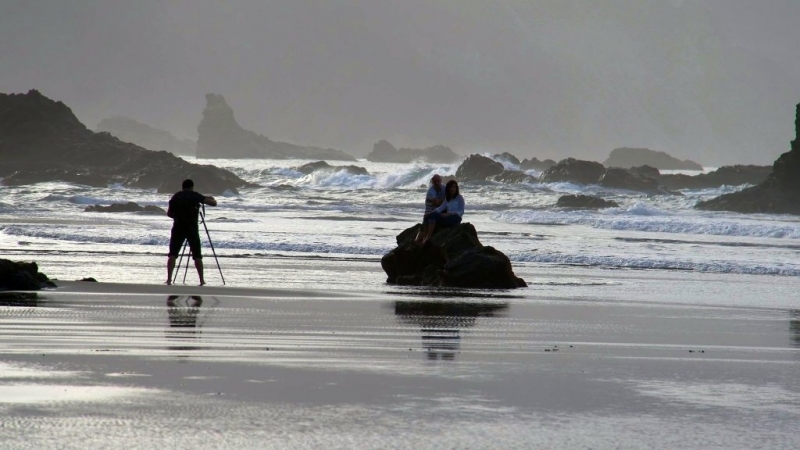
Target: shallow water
<point>404,369</point>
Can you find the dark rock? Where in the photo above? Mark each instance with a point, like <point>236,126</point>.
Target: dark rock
<point>36,131</point>
<point>383,151</point>
<point>88,279</point>
<point>22,276</point>
<point>585,202</point>
<point>513,176</point>
<point>126,207</point>
<point>453,258</point>
<point>323,166</point>
<point>574,171</point>
<point>129,130</point>
<point>507,157</point>
<point>632,180</point>
<point>535,164</point>
<point>220,136</point>
<point>632,157</point>
<point>724,176</point>
<point>478,168</point>
<point>647,171</point>
<point>778,194</point>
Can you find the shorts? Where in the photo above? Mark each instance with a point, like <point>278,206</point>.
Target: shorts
<point>449,221</point>
<point>178,236</point>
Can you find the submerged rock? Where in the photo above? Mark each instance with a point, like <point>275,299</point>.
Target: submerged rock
<point>778,194</point>
<point>22,276</point>
<point>221,136</point>
<point>632,157</point>
<point>574,171</point>
<point>453,258</point>
<point>41,140</point>
<point>384,151</point>
<point>585,202</point>
<point>126,207</point>
<point>478,168</point>
<point>324,166</point>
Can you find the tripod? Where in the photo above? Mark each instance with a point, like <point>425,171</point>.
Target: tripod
<point>183,252</point>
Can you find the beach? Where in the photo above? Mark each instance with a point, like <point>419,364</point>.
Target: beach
<point>108,365</point>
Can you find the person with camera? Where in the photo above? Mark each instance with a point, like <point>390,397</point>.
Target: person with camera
<point>184,207</point>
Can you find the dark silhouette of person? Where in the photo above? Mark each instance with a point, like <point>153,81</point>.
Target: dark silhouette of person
<point>448,214</point>
<point>184,207</point>
<point>433,199</point>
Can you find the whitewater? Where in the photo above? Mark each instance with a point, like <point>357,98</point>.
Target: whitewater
<point>329,229</point>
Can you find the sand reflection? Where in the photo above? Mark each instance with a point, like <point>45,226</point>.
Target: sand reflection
<point>441,323</point>
<point>184,327</point>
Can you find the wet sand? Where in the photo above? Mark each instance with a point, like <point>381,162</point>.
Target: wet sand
<point>97,365</point>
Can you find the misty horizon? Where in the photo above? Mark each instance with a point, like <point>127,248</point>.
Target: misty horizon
<point>716,82</point>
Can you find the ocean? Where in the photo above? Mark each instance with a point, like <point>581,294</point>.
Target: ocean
<point>329,229</point>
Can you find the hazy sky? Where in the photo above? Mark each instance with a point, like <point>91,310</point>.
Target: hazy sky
<point>715,80</point>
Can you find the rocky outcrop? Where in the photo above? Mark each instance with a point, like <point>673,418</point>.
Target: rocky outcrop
<point>221,136</point>
<point>507,158</point>
<point>129,130</point>
<point>22,276</point>
<point>536,164</point>
<point>513,177</point>
<point>325,167</point>
<point>724,176</point>
<point>778,194</point>
<point>126,207</point>
<point>574,171</point>
<point>478,168</point>
<point>584,202</point>
<point>632,180</point>
<point>42,140</point>
<point>384,151</point>
<point>454,257</point>
<point>632,157</point>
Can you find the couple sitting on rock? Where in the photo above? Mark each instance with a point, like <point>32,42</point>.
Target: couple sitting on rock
<point>444,207</point>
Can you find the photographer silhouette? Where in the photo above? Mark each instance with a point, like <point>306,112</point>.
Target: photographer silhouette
<point>184,208</point>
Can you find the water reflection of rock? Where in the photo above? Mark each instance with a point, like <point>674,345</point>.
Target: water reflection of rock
<point>183,312</point>
<point>30,299</point>
<point>794,326</point>
<point>441,322</point>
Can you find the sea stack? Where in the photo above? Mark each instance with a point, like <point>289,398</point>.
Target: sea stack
<point>221,136</point>
<point>778,194</point>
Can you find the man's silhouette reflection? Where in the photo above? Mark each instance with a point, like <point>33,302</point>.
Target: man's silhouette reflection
<point>182,312</point>
<point>441,323</point>
<point>794,326</point>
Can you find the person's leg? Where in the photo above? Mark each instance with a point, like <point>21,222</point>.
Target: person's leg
<point>170,268</point>
<point>176,239</point>
<point>194,245</point>
<point>430,226</point>
<point>198,264</point>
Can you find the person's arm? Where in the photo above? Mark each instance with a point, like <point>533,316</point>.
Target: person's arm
<point>460,206</point>
<point>440,208</point>
<point>211,201</point>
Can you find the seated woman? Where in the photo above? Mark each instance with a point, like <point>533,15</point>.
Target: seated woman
<point>447,214</point>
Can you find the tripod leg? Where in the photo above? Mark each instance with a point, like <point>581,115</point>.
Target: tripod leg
<point>180,261</point>
<point>203,219</point>
<point>186,270</point>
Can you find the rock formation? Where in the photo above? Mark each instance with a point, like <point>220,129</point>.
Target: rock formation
<point>454,257</point>
<point>384,151</point>
<point>724,176</point>
<point>220,136</point>
<point>324,166</point>
<point>22,276</point>
<point>478,168</point>
<point>630,179</point>
<point>507,157</point>
<point>126,207</point>
<point>535,164</point>
<point>42,140</point>
<point>129,130</point>
<point>778,194</point>
<point>632,157</point>
<point>574,171</point>
<point>584,202</point>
